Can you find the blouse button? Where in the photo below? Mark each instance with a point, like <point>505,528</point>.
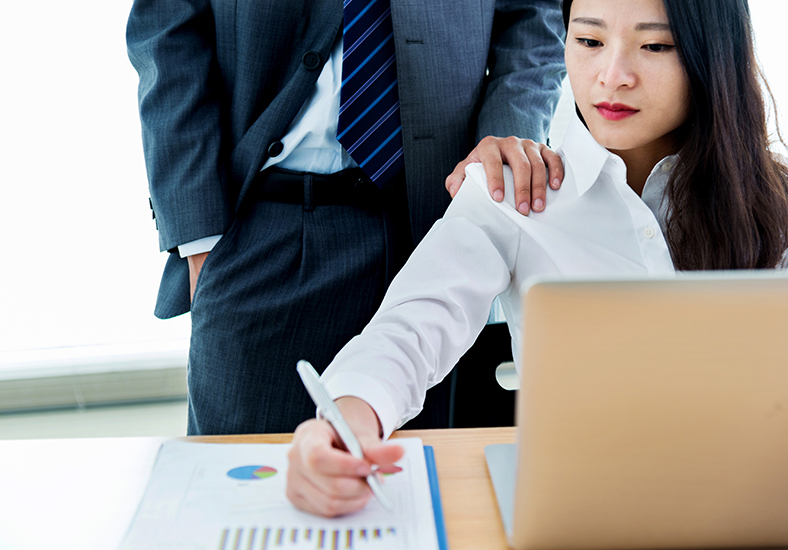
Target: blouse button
<point>666,166</point>
<point>649,233</point>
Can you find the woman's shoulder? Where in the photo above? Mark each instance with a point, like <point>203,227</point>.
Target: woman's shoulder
<point>475,174</point>
<point>474,200</point>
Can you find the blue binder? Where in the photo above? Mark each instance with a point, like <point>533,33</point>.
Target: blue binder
<point>435,491</point>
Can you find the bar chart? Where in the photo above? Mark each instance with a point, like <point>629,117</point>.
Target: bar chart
<point>292,538</point>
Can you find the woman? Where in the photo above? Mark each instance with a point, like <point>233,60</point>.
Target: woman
<point>667,167</point>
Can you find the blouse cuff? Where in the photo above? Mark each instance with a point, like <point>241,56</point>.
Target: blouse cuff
<point>368,388</point>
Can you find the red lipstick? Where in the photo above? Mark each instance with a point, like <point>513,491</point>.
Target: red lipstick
<point>615,111</point>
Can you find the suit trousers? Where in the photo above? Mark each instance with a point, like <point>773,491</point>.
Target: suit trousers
<point>291,281</point>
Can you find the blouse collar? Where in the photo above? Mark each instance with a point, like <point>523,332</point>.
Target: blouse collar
<point>583,154</point>
<point>587,158</point>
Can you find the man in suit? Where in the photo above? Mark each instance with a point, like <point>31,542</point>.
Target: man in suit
<point>280,244</point>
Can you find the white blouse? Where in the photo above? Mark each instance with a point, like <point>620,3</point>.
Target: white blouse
<point>438,304</point>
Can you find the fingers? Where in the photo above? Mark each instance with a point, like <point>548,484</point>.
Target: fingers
<point>490,152</point>
<point>455,179</point>
<point>383,455</point>
<point>555,167</point>
<point>326,480</point>
<point>308,497</point>
<point>322,479</point>
<point>519,155</point>
<point>532,185</point>
<point>195,262</point>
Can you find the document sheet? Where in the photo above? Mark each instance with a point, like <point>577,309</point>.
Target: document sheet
<point>232,497</point>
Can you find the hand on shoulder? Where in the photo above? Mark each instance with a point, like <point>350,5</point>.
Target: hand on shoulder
<point>531,164</point>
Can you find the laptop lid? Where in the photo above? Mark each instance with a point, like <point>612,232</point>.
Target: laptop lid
<point>653,413</point>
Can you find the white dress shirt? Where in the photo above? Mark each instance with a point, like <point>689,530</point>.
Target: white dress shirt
<point>437,305</point>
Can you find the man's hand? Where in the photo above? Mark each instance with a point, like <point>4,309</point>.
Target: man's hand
<point>322,477</point>
<point>195,265</point>
<point>530,162</point>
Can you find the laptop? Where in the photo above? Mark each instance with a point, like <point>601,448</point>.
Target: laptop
<point>653,413</point>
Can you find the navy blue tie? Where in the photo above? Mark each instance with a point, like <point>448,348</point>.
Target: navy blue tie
<point>369,123</point>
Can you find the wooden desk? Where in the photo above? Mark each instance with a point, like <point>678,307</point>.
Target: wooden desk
<point>469,504</point>
<point>82,493</point>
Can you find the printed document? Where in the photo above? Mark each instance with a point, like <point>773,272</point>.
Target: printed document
<point>208,496</point>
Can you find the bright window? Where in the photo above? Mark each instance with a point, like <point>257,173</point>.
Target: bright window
<point>80,263</point>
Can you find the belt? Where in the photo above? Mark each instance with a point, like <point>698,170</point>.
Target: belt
<point>348,187</point>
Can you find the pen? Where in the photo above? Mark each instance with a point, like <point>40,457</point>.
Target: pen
<point>330,412</point>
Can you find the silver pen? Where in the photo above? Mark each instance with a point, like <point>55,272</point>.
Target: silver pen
<point>331,412</point>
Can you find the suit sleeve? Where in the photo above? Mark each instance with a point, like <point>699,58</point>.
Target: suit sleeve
<point>526,67</point>
<point>172,45</point>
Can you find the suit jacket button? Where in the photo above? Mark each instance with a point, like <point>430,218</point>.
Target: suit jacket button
<point>311,60</point>
<point>275,149</point>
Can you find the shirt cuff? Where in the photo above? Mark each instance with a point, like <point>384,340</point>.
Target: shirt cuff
<point>199,246</point>
<point>369,389</point>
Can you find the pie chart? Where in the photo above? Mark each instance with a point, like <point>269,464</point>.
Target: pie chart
<point>252,472</point>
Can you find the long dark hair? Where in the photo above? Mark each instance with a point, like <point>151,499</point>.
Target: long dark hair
<point>728,194</point>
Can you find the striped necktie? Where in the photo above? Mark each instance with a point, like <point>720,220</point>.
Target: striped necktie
<point>369,122</point>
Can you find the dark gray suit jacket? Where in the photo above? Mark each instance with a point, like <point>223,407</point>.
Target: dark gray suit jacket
<point>220,80</point>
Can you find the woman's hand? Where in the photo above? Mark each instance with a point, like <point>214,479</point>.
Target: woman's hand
<point>323,478</point>
<point>531,163</point>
